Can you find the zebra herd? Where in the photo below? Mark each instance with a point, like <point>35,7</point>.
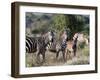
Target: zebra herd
<point>44,42</point>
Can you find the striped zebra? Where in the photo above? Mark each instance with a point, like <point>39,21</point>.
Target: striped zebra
<point>31,44</point>
<point>78,40</point>
<point>75,40</point>
<point>61,46</point>
<point>43,42</point>
<point>39,44</point>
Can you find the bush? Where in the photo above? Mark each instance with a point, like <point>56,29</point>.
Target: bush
<point>81,45</point>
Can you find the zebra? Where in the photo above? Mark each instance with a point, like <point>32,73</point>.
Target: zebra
<point>73,45</point>
<point>66,47</point>
<point>41,48</point>
<point>43,42</point>
<point>81,40</point>
<point>61,46</point>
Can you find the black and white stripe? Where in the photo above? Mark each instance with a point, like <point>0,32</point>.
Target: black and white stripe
<point>31,44</point>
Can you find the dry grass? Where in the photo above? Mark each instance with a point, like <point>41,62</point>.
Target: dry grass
<point>82,57</point>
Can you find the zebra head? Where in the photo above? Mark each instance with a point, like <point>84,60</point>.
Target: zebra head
<point>51,36</point>
<point>48,38</point>
<point>81,38</point>
<point>64,36</point>
<point>76,36</point>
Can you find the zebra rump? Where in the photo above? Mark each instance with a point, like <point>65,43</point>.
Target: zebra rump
<point>31,44</point>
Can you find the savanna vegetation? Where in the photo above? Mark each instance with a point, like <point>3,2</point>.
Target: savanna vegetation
<point>38,23</point>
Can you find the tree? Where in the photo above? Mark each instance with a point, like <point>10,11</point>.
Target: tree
<point>59,22</point>
<point>77,23</point>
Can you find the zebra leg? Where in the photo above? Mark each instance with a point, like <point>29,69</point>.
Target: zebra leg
<point>74,51</point>
<point>63,53</point>
<point>43,57</point>
<point>57,54</point>
<point>38,56</point>
<point>66,52</point>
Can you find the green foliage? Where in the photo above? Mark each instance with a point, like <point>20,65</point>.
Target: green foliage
<point>42,22</point>
<point>82,45</point>
<point>36,31</point>
<point>86,29</point>
<point>76,23</point>
<point>59,22</point>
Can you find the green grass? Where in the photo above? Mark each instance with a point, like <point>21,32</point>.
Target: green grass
<point>85,51</point>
